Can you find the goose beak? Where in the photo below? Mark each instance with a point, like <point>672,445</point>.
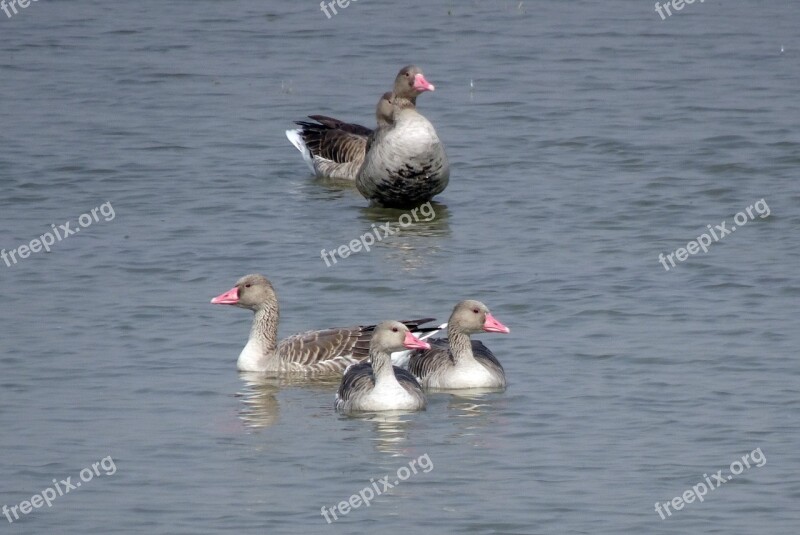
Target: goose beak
<point>412,342</point>
<point>491,325</point>
<point>231,297</point>
<point>421,84</point>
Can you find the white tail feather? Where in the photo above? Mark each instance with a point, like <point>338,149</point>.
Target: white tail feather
<point>296,139</point>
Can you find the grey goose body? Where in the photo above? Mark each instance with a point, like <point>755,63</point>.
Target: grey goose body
<point>405,164</point>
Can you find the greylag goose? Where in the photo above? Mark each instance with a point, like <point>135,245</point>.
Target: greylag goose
<point>457,362</point>
<point>335,149</point>
<point>377,385</point>
<point>324,351</point>
<point>411,172</point>
<point>405,164</point>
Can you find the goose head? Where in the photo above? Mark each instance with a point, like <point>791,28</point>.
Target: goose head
<point>472,317</point>
<point>390,336</point>
<point>410,83</point>
<point>253,292</point>
<point>384,110</point>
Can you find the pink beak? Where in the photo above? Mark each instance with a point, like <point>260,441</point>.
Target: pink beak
<point>491,325</point>
<point>421,84</point>
<point>231,297</point>
<point>412,342</point>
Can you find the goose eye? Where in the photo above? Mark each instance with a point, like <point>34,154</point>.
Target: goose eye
<point>394,329</point>
<point>475,310</point>
<point>247,285</point>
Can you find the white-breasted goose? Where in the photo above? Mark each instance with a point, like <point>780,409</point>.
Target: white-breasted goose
<point>377,385</point>
<point>397,164</point>
<point>406,164</point>
<point>323,351</point>
<point>456,362</point>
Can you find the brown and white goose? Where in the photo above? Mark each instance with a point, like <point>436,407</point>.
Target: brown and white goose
<point>456,362</point>
<point>405,164</point>
<point>324,351</point>
<point>377,385</point>
<point>335,149</point>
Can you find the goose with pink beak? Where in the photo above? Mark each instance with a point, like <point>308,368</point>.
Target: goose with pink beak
<point>457,362</point>
<point>405,164</point>
<point>404,140</point>
<point>323,351</point>
<point>377,385</point>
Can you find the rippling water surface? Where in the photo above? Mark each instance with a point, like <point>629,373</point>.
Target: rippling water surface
<point>585,139</point>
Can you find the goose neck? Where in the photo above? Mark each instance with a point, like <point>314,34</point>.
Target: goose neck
<point>460,346</point>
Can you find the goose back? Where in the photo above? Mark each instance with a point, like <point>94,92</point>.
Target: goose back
<point>331,350</point>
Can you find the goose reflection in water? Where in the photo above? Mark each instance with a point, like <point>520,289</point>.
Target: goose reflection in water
<point>473,411</point>
<point>390,429</point>
<point>408,238</point>
<point>259,398</point>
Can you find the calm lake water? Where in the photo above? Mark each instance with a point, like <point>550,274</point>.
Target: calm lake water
<point>585,139</point>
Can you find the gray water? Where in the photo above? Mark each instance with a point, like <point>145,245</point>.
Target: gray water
<point>585,138</point>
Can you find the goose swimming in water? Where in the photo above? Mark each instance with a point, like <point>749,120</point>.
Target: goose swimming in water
<point>405,164</point>
<point>324,351</point>
<point>377,385</point>
<point>456,362</point>
<point>402,163</point>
